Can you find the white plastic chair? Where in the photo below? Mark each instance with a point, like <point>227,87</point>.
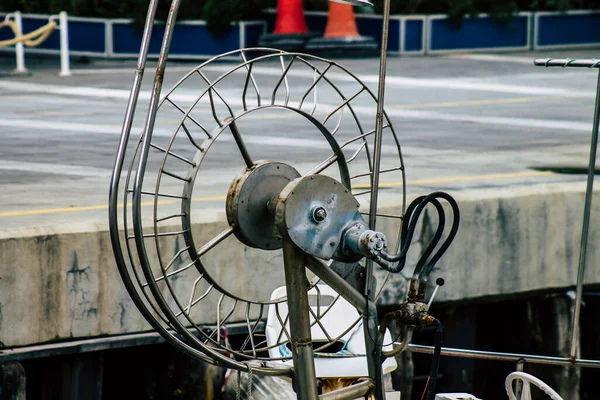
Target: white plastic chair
<point>336,321</point>
<point>527,381</point>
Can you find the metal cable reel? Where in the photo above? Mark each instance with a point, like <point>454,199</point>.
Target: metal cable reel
<point>213,123</point>
<point>292,203</point>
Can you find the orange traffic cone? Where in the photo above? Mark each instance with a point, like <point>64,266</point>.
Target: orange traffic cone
<point>290,17</point>
<point>341,35</point>
<point>340,21</point>
<point>291,32</point>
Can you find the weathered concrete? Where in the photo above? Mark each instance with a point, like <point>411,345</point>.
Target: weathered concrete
<point>519,240</point>
<point>511,240</point>
<point>59,284</point>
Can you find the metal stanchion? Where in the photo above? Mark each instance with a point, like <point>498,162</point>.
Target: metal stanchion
<point>19,47</point>
<point>63,25</point>
<point>571,63</point>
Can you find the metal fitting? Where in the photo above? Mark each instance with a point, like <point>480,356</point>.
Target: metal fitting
<point>359,240</point>
<point>319,214</point>
<point>412,291</point>
<point>426,320</point>
<point>422,290</point>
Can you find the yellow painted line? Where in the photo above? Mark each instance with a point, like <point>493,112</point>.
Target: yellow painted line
<point>217,198</point>
<point>94,208</point>
<point>50,211</point>
<point>513,100</point>
<point>459,179</point>
<point>213,198</point>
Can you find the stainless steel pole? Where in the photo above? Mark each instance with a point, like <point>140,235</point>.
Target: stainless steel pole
<point>330,277</point>
<point>586,225</point>
<point>379,117</point>
<point>566,63</point>
<point>370,320</point>
<point>499,356</point>
<point>305,381</point>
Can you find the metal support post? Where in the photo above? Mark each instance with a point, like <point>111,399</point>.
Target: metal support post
<point>586,225</point>
<point>19,47</point>
<point>63,25</point>
<point>373,350</point>
<point>330,277</point>
<point>305,382</point>
<point>370,320</point>
<point>511,357</point>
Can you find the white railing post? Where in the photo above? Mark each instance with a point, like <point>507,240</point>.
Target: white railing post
<point>19,47</point>
<point>65,69</point>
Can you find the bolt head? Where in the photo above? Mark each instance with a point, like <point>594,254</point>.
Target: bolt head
<point>319,214</point>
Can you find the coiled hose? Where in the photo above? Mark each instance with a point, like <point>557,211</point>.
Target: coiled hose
<point>409,225</point>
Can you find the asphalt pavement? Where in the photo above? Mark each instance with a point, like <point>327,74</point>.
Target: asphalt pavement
<point>463,121</point>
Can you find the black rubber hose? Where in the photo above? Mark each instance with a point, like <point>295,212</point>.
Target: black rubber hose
<point>408,216</point>
<point>451,235</point>
<point>435,361</point>
<point>408,229</point>
<point>435,240</point>
<point>409,225</point>
<point>404,234</point>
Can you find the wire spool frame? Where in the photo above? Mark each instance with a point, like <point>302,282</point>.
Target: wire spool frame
<point>171,263</point>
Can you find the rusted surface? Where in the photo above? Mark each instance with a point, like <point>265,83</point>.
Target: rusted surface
<point>422,290</point>
<point>412,291</point>
<point>302,342</point>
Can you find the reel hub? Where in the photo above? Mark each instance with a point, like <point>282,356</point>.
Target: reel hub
<point>313,212</point>
<point>248,202</point>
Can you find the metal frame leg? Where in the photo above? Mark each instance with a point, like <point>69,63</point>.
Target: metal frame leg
<point>305,381</point>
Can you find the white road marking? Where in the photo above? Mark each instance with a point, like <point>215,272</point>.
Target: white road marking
<point>493,58</point>
<point>453,84</point>
<point>145,95</point>
<point>571,126</point>
<point>105,93</point>
<point>127,70</point>
<point>66,127</point>
<point>32,124</point>
<point>60,169</point>
<point>79,91</point>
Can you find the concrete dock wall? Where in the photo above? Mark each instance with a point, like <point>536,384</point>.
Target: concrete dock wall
<point>63,283</point>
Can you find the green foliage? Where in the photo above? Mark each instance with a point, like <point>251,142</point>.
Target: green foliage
<point>220,13</point>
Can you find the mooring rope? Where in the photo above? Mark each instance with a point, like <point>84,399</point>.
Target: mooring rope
<point>32,39</point>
